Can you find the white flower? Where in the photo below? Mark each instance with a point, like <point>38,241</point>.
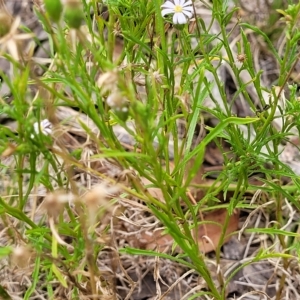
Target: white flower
<point>182,10</point>
<point>45,127</point>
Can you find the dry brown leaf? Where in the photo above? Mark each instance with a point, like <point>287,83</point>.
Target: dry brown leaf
<point>154,191</point>
<point>198,179</point>
<point>209,232</point>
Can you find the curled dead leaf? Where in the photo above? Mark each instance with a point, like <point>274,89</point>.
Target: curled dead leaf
<point>209,233</point>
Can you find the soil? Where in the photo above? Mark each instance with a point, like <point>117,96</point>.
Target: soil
<point>145,278</point>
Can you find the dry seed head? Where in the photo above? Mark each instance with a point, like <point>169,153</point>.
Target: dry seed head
<point>117,101</point>
<point>108,82</point>
<point>5,23</point>
<point>96,198</point>
<point>140,80</point>
<point>239,13</point>
<point>13,40</point>
<point>241,57</point>
<point>21,256</point>
<point>54,203</point>
<point>98,195</point>
<point>117,29</point>
<point>158,78</point>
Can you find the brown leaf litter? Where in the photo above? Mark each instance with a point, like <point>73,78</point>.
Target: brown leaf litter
<point>132,223</point>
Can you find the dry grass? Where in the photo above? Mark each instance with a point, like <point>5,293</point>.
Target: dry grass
<point>124,220</point>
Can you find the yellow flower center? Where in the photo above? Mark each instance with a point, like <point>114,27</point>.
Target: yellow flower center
<point>178,8</point>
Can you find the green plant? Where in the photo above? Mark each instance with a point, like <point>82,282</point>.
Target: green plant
<point>143,90</point>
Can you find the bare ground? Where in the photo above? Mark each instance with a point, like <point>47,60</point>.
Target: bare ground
<point>131,222</point>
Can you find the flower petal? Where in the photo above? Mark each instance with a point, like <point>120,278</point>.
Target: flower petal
<point>187,3</point>
<point>175,19</point>
<point>181,3</point>
<point>179,18</point>
<point>168,4</point>
<point>177,2</point>
<point>188,13</point>
<point>188,8</point>
<point>167,11</point>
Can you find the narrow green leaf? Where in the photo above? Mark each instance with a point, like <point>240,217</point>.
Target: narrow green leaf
<point>4,251</point>
<point>59,276</point>
<point>270,44</point>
